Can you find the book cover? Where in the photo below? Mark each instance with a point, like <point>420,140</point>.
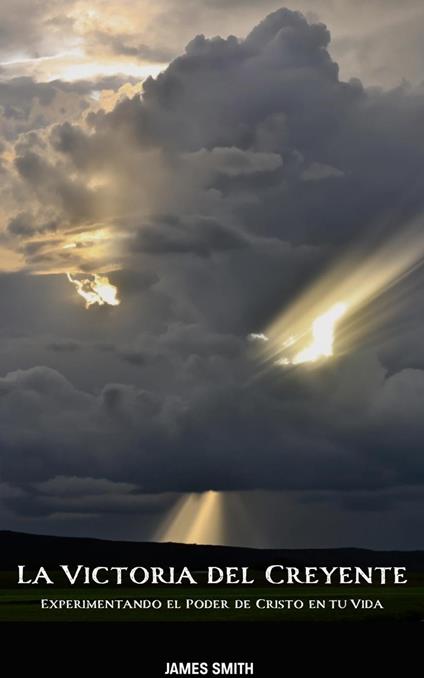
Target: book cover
<point>211,293</point>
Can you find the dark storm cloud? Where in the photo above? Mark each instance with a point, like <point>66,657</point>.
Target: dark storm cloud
<point>278,92</point>
<point>200,236</point>
<point>244,169</point>
<point>28,105</point>
<point>81,495</point>
<point>49,183</point>
<point>283,64</point>
<point>307,434</point>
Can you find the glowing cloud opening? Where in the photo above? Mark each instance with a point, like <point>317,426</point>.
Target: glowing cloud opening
<point>95,289</point>
<point>75,65</point>
<point>323,329</point>
<point>359,278</point>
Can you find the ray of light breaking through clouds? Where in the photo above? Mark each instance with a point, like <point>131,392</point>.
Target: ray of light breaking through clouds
<point>306,330</point>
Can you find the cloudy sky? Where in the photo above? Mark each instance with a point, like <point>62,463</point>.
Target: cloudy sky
<point>230,168</point>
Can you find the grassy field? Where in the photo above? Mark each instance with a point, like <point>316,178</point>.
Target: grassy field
<point>400,603</point>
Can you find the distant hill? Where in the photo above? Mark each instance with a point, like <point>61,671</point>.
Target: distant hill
<point>35,550</point>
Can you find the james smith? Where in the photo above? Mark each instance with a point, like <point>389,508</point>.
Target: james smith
<point>214,669</point>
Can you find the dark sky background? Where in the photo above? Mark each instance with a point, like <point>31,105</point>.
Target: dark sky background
<point>244,170</point>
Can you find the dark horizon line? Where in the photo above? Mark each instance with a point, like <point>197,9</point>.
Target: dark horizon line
<point>18,533</point>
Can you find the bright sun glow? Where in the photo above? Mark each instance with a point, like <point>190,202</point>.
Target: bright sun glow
<point>75,65</point>
<point>88,70</point>
<point>357,279</point>
<point>323,329</point>
<point>95,289</point>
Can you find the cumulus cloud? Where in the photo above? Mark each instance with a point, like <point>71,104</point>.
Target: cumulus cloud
<point>29,105</point>
<point>217,196</point>
<point>257,153</point>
